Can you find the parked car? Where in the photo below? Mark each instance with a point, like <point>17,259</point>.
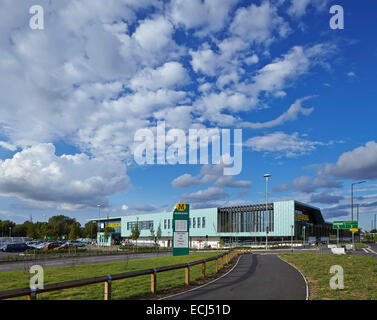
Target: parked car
<point>66,245</point>
<point>51,245</point>
<point>15,247</point>
<point>126,243</point>
<point>78,244</point>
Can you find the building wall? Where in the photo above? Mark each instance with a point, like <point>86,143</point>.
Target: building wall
<point>210,215</point>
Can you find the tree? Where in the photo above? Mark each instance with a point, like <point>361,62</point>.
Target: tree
<point>107,232</point>
<point>152,233</point>
<point>75,230</point>
<point>135,232</point>
<point>60,225</point>
<point>158,233</point>
<point>90,230</point>
<point>4,228</point>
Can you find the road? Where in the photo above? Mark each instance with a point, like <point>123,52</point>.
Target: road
<point>255,277</point>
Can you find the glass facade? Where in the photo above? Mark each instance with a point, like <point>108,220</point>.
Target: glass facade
<point>253,218</point>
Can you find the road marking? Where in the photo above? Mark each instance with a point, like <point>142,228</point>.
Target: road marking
<point>365,250</point>
<point>203,284</point>
<point>372,251</point>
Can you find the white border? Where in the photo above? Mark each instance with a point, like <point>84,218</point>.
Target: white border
<point>173,295</point>
<point>307,287</point>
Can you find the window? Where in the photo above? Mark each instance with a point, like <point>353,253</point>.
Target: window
<point>165,224</point>
<point>203,222</point>
<point>189,222</point>
<point>198,222</point>
<point>193,222</point>
<point>168,223</point>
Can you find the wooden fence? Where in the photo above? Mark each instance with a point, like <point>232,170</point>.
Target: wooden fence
<point>107,280</point>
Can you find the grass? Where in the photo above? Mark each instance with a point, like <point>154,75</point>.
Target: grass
<point>360,275</point>
<point>121,289</point>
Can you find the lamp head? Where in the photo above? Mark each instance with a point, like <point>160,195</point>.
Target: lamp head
<point>267,175</point>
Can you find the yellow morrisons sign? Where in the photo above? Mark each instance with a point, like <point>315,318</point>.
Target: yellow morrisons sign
<point>114,225</point>
<point>301,217</point>
<point>181,207</point>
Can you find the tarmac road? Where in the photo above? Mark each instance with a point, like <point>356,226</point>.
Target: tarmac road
<point>255,277</point>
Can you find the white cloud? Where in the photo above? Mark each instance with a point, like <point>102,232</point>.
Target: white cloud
<point>169,76</point>
<point>38,174</point>
<point>289,145</point>
<point>205,16</point>
<point>154,35</point>
<point>212,174</point>
<point>260,24</point>
<point>360,163</point>
<point>290,115</point>
<point>211,193</point>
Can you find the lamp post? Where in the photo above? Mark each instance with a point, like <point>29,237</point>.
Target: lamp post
<point>352,184</point>
<point>292,237</point>
<point>266,215</point>
<point>99,222</point>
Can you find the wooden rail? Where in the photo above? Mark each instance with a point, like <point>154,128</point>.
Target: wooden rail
<point>32,293</point>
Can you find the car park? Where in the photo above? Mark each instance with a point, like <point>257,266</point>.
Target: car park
<point>15,247</point>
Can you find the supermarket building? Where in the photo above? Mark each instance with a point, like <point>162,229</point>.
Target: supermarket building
<point>216,226</point>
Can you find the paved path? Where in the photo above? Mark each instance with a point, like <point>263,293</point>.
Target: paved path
<point>255,277</point>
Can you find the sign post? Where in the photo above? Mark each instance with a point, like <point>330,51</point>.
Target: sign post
<point>351,225</point>
<point>181,216</point>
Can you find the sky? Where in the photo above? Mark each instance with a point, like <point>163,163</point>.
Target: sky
<point>73,95</point>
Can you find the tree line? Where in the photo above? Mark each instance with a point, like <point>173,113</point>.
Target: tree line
<point>57,228</point>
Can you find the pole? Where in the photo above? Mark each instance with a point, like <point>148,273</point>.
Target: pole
<point>337,237</point>
<point>266,214</point>
<point>352,201</point>
<point>99,222</point>
<point>292,238</point>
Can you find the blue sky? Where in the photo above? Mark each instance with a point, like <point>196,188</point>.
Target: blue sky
<point>74,94</point>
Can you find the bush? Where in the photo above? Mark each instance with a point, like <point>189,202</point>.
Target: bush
<point>41,251</point>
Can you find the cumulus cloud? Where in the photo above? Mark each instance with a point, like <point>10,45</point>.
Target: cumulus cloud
<point>289,145</point>
<point>211,193</point>
<point>360,163</point>
<point>326,197</point>
<point>205,16</point>
<point>259,23</point>
<point>38,174</point>
<point>215,175</point>
<point>290,115</point>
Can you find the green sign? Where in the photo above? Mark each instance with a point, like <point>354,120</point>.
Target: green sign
<point>181,229</point>
<point>345,224</point>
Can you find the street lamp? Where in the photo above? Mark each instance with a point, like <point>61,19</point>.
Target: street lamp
<point>99,222</point>
<point>266,217</point>
<point>352,184</point>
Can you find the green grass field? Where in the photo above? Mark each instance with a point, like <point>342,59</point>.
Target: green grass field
<point>360,275</point>
<point>121,289</point>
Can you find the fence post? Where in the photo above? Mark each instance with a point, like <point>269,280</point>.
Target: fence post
<point>108,288</point>
<point>33,294</point>
<point>216,265</point>
<point>187,274</point>
<point>203,270</point>
<point>222,262</point>
<point>153,280</point>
